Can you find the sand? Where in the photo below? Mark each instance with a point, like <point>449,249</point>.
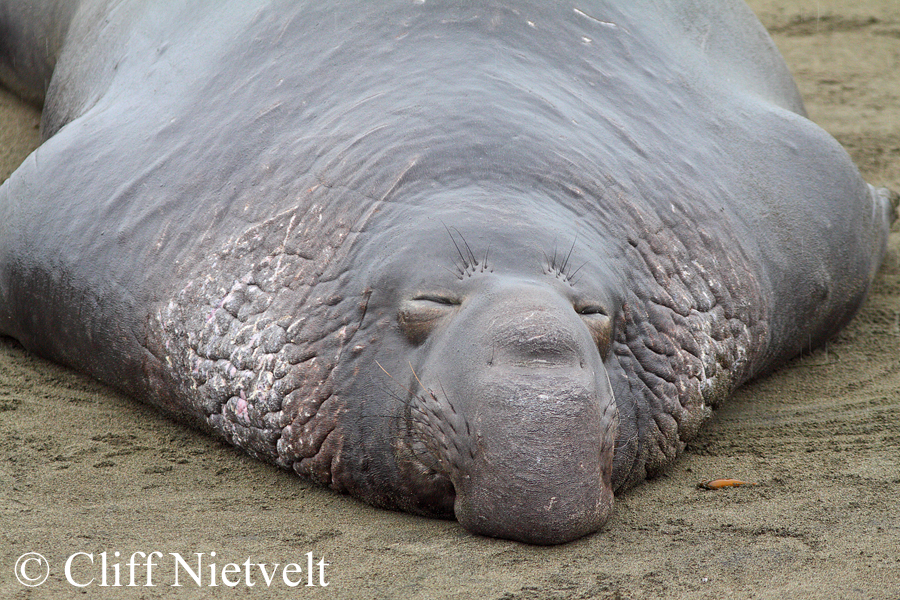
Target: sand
<point>84,469</point>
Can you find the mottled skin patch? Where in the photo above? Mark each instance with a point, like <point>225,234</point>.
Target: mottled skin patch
<point>264,331</point>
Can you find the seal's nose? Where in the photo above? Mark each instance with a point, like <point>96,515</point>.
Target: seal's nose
<point>541,467</point>
<point>526,426</point>
<point>537,335</point>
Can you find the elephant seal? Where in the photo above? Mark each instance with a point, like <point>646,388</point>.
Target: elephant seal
<point>486,260</point>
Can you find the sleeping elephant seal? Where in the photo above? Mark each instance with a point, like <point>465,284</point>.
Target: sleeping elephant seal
<point>482,259</point>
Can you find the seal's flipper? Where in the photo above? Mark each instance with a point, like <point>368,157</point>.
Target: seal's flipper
<point>885,205</point>
<point>53,219</point>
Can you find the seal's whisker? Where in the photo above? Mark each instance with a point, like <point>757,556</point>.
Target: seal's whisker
<point>456,245</point>
<point>562,269</point>
<point>419,381</point>
<point>411,393</point>
<point>473,261</point>
<point>572,274</point>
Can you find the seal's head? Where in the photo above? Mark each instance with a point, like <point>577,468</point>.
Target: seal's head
<point>495,353</point>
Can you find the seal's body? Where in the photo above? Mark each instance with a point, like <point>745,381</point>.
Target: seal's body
<point>464,259</point>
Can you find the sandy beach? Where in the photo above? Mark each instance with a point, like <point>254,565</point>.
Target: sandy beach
<point>84,469</point>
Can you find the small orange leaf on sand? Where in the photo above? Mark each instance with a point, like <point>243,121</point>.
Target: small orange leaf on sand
<point>718,484</point>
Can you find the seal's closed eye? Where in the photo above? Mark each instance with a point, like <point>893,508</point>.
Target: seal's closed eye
<point>436,299</point>
<point>599,324</point>
<point>419,315</point>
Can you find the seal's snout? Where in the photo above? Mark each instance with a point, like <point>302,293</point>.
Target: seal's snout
<point>540,472</point>
<point>533,460</point>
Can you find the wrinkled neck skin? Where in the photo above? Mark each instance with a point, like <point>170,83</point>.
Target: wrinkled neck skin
<point>485,387</point>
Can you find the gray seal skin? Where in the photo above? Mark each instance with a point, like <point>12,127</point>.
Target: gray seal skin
<point>488,260</point>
